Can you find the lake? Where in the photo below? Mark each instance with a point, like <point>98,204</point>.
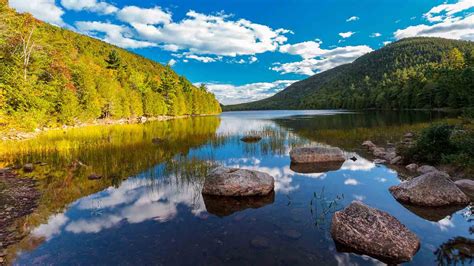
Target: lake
<point>148,208</point>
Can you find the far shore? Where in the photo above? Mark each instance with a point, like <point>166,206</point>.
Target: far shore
<point>18,135</point>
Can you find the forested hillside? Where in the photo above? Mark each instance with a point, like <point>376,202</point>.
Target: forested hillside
<point>51,76</point>
<point>411,73</point>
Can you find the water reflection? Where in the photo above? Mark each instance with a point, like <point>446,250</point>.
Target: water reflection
<point>154,213</point>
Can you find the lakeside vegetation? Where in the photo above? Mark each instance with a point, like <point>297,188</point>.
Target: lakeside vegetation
<point>51,76</point>
<point>413,73</point>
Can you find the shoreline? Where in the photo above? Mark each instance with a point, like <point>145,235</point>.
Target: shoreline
<point>19,135</point>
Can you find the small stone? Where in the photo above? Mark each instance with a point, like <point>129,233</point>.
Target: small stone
<point>94,176</point>
<point>291,233</point>
<point>412,167</point>
<point>251,138</point>
<point>380,161</point>
<point>353,158</point>
<point>316,155</point>
<point>260,242</point>
<point>396,160</point>
<point>369,144</point>
<point>426,169</point>
<point>28,168</point>
<point>409,135</point>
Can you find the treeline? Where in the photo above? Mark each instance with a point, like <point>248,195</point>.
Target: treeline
<point>411,73</point>
<point>51,76</point>
<point>449,83</point>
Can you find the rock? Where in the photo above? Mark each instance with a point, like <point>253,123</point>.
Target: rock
<point>142,119</point>
<point>369,144</point>
<point>412,167</point>
<point>379,161</point>
<point>433,189</point>
<point>389,156</point>
<point>409,135</point>
<point>309,168</point>
<point>251,138</point>
<point>353,158</point>
<point>379,152</point>
<point>260,242</point>
<point>292,234</point>
<point>94,177</point>
<point>224,181</point>
<point>467,186</point>
<point>396,160</point>
<point>426,169</point>
<point>316,155</point>
<point>373,232</point>
<point>28,168</point>
<point>224,206</point>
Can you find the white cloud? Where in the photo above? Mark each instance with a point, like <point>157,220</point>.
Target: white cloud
<point>232,94</point>
<point>202,34</point>
<point>346,34</point>
<point>452,28</point>
<point>440,12</point>
<point>203,59</point>
<point>133,14</point>
<point>316,59</point>
<point>387,43</point>
<point>89,5</point>
<point>172,62</point>
<point>351,182</point>
<point>45,10</point>
<point>353,18</point>
<point>114,34</point>
<point>375,35</point>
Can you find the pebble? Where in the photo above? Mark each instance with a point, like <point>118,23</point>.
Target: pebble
<point>260,242</point>
<point>291,233</point>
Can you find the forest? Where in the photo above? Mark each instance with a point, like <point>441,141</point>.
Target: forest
<point>51,76</point>
<point>414,73</point>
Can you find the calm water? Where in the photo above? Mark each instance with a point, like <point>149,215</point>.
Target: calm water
<point>148,208</point>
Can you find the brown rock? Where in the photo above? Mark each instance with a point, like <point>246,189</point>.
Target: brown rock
<point>412,167</point>
<point>369,144</point>
<point>426,169</point>
<point>373,232</point>
<point>396,160</point>
<point>316,155</point>
<point>467,186</point>
<point>433,189</point>
<point>28,168</point>
<point>94,177</point>
<point>224,206</point>
<point>251,138</point>
<point>224,181</point>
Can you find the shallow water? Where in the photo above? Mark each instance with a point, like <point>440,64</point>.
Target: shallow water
<point>148,208</point>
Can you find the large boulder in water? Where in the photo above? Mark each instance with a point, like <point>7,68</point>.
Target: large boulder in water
<point>316,155</point>
<point>369,231</point>
<point>224,181</point>
<point>433,189</point>
<point>467,186</point>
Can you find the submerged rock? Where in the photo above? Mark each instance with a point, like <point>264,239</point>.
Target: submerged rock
<point>426,169</point>
<point>260,242</point>
<point>316,155</point>
<point>373,232</point>
<point>251,138</point>
<point>28,168</point>
<point>224,181</point>
<point>412,167</point>
<point>432,189</point>
<point>467,186</point>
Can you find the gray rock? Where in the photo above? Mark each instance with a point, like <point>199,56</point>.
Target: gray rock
<point>467,186</point>
<point>412,167</point>
<point>379,161</point>
<point>379,152</point>
<point>28,168</point>
<point>224,181</point>
<point>369,144</point>
<point>396,160</point>
<point>433,189</point>
<point>426,169</point>
<point>409,135</point>
<point>316,155</point>
<point>373,232</point>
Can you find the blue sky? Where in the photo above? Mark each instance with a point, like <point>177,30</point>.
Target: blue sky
<point>245,50</point>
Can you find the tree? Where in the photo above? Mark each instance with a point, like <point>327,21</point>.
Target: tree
<point>113,60</point>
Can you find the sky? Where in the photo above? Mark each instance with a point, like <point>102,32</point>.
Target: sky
<point>246,50</point>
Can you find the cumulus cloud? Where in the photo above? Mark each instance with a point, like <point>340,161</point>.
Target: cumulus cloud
<point>375,35</point>
<point>89,5</point>
<point>346,34</point>
<point>316,59</point>
<point>204,59</point>
<point>172,62</point>
<point>202,34</point>
<point>353,18</point>
<point>45,10</point>
<point>440,12</point>
<point>232,94</point>
<point>111,33</point>
<point>133,14</point>
<point>452,28</point>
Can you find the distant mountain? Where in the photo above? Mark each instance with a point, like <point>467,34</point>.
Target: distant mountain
<point>410,73</point>
<point>51,76</point>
